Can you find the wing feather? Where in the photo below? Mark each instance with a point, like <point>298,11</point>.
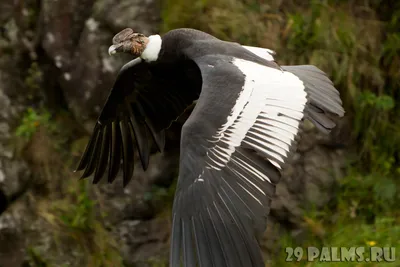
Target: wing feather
<point>144,101</point>
<point>92,151</point>
<point>103,158</point>
<point>232,152</point>
<point>127,150</point>
<point>139,130</point>
<point>87,154</point>
<point>115,149</point>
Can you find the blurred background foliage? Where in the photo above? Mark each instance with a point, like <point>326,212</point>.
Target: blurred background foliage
<point>356,42</point>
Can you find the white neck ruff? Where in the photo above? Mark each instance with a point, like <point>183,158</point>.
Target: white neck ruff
<point>150,53</point>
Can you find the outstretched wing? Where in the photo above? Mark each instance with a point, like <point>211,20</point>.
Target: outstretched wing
<point>144,100</point>
<point>233,147</point>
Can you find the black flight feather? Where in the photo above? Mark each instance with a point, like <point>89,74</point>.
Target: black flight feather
<point>93,154</point>
<point>88,153</point>
<point>103,157</point>
<point>158,136</point>
<point>127,151</point>
<point>148,99</point>
<point>139,130</point>
<point>115,151</point>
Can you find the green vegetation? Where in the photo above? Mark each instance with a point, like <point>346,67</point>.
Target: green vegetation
<point>155,262</point>
<point>70,207</point>
<point>162,197</point>
<point>358,45</point>
<point>35,259</point>
<point>31,121</point>
<point>77,218</point>
<point>384,232</point>
<point>34,77</point>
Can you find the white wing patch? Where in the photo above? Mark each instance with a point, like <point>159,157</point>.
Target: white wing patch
<point>264,53</point>
<point>266,117</point>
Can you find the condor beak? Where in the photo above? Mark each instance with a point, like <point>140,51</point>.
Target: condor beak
<point>113,49</point>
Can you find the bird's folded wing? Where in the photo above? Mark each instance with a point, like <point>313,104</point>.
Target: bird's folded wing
<point>233,146</point>
<point>142,103</point>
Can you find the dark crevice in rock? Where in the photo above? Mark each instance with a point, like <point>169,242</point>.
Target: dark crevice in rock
<point>85,9</point>
<point>54,96</point>
<point>3,202</point>
<point>283,221</point>
<point>18,194</point>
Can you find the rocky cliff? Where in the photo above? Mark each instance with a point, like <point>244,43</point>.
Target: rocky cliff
<point>55,74</point>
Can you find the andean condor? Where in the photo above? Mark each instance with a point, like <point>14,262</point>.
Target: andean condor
<point>234,144</point>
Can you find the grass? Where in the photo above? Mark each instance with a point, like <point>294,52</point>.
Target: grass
<point>385,232</point>
<point>77,220</point>
<point>35,259</point>
<point>78,229</point>
<point>68,205</point>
